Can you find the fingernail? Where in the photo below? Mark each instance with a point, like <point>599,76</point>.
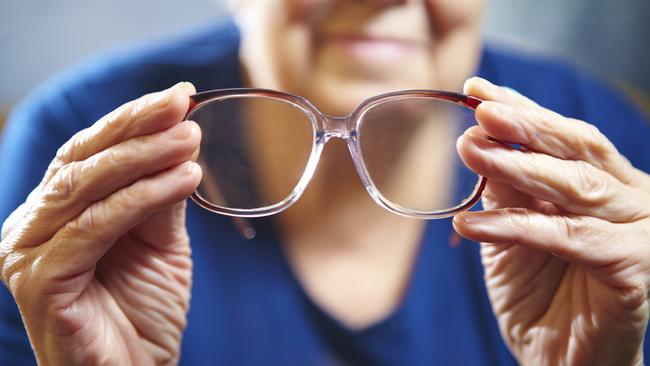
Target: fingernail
<point>469,218</point>
<point>459,140</point>
<point>479,80</point>
<point>191,168</point>
<point>186,86</point>
<point>160,99</point>
<point>194,129</point>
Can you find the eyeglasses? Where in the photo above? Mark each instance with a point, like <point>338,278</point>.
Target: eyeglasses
<point>260,149</point>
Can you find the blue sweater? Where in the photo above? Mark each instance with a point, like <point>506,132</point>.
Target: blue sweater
<point>247,306</point>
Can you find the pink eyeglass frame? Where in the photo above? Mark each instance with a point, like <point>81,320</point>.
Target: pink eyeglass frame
<point>347,128</point>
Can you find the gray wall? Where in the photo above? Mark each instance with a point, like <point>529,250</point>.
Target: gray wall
<point>608,37</point>
<point>38,37</point>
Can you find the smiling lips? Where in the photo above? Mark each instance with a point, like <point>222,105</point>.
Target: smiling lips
<point>374,49</point>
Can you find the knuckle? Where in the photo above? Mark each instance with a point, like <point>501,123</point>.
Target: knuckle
<point>85,224</point>
<point>634,296</point>
<point>69,151</point>
<point>516,215</point>
<point>63,183</point>
<point>546,119</point>
<point>118,116</point>
<point>69,321</point>
<point>134,152</point>
<point>576,231</point>
<point>119,156</point>
<point>136,108</point>
<point>593,143</point>
<point>64,153</point>
<point>591,187</point>
<point>592,137</point>
<point>129,198</point>
<point>519,220</point>
<point>123,116</point>
<point>116,119</point>
<point>89,224</point>
<point>531,134</point>
<point>56,164</point>
<point>532,125</point>
<point>19,283</point>
<point>16,283</point>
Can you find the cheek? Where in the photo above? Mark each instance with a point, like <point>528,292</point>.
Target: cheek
<point>447,15</point>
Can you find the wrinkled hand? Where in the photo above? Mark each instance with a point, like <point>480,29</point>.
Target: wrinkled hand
<point>98,258</point>
<point>565,234</point>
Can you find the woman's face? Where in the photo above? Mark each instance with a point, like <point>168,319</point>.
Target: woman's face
<point>339,52</point>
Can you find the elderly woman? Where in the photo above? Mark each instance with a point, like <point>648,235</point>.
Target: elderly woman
<point>103,256</point>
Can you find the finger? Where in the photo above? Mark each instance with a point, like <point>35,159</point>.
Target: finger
<point>486,91</point>
<point>547,132</point>
<point>79,184</point>
<point>587,241</point>
<point>146,115</point>
<point>573,186</point>
<point>502,195</point>
<point>166,229</point>
<point>510,117</point>
<point>78,246</point>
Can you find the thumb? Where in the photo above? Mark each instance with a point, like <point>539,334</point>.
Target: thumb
<point>165,229</point>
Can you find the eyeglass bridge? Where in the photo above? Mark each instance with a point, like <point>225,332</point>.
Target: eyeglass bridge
<point>339,127</point>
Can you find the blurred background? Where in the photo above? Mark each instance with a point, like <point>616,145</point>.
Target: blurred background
<point>39,38</point>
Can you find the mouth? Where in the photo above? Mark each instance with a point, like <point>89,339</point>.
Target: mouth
<point>366,48</point>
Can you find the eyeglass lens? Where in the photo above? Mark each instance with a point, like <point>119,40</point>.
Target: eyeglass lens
<point>255,150</point>
<point>409,151</point>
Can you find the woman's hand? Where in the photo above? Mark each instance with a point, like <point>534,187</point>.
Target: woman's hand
<point>565,233</point>
<point>98,258</point>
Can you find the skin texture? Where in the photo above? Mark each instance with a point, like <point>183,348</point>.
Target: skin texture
<point>98,257</point>
<point>564,235</point>
<point>308,47</point>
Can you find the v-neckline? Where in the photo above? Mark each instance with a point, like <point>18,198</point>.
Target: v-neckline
<point>434,228</point>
